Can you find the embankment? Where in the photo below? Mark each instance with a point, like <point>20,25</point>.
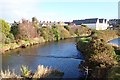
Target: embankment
<point>99,55</point>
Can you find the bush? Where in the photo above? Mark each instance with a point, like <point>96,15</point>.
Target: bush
<point>2,37</point>
<point>82,31</point>
<point>97,51</point>
<point>7,40</point>
<point>41,72</point>
<point>47,33</point>
<point>106,35</point>
<point>11,36</point>
<point>4,27</point>
<point>67,28</point>
<point>56,33</point>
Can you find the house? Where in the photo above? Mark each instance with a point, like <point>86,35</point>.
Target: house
<point>46,24</point>
<point>62,23</point>
<point>114,22</point>
<point>93,23</point>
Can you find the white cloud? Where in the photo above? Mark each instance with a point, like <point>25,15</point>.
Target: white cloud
<point>16,9</point>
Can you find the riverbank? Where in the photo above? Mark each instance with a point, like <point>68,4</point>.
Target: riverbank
<point>56,54</point>
<point>106,35</point>
<point>100,55</point>
<point>41,73</point>
<point>21,44</point>
<point>44,34</point>
<point>25,43</point>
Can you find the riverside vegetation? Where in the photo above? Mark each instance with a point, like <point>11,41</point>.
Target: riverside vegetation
<point>26,33</point>
<point>26,73</point>
<point>29,33</point>
<point>100,57</point>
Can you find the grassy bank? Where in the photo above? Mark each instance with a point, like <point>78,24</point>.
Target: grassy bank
<point>21,44</point>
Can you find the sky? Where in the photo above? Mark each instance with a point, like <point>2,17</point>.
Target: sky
<point>54,10</point>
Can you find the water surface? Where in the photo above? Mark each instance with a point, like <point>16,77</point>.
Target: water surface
<point>116,41</point>
<point>61,55</point>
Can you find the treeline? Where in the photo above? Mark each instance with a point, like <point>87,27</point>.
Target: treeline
<point>27,32</point>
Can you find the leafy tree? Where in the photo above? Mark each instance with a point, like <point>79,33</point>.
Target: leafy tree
<point>14,29</point>
<point>5,35</point>
<point>35,22</point>
<point>2,37</point>
<point>34,19</point>
<point>4,27</point>
<point>56,33</point>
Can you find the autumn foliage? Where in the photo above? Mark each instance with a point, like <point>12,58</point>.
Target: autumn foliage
<point>26,30</point>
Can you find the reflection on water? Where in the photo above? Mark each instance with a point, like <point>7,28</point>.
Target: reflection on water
<point>61,55</point>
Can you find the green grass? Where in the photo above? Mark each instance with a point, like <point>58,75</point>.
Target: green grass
<point>1,45</point>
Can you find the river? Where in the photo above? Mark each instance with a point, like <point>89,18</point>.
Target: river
<point>116,41</point>
<point>61,55</point>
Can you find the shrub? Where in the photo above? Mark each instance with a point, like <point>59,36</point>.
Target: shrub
<point>8,74</point>
<point>97,51</point>
<point>2,37</point>
<point>25,71</point>
<point>47,33</point>
<point>56,33</point>
<point>64,34</point>
<point>106,35</point>
<point>67,28</point>
<point>46,72</point>
<point>7,41</point>
<point>4,27</point>
<point>82,31</point>
<point>11,36</point>
<point>41,72</point>
<point>114,73</point>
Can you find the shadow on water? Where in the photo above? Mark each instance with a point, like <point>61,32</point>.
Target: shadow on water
<point>61,55</point>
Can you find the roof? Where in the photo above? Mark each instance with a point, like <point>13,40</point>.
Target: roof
<point>88,21</point>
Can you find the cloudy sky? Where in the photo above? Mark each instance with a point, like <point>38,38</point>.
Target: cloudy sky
<point>53,10</point>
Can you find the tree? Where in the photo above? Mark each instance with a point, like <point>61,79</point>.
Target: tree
<point>35,22</point>
<point>14,29</point>
<point>4,27</point>
<point>26,30</point>
<point>5,35</point>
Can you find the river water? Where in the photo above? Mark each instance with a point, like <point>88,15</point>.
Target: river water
<point>61,55</point>
<point>116,41</point>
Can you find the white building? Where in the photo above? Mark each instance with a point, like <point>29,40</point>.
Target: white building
<point>94,23</point>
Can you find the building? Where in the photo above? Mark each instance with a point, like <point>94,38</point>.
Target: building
<point>50,24</point>
<point>93,23</point>
<point>62,24</point>
<point>114,22</point>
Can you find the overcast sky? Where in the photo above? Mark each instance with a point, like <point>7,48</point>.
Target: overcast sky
<point>53,10</point>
